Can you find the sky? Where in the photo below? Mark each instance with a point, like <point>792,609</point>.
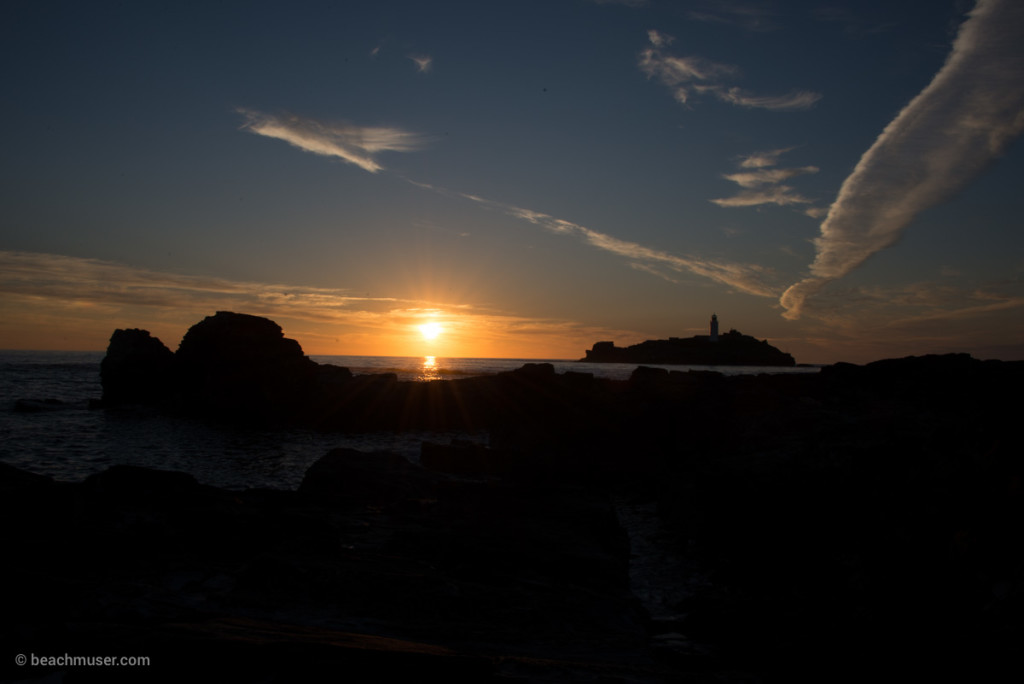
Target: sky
<point>517,178</point>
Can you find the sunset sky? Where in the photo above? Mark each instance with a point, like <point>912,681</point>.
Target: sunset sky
<point>840,177</point>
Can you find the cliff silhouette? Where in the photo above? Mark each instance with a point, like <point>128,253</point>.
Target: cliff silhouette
<point>730,349</point>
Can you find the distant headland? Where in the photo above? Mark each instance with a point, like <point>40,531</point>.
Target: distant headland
<point>728,349</point>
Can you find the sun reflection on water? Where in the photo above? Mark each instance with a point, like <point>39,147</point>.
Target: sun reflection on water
<point>430,370</point>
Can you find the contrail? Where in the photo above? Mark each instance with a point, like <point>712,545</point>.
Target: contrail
<point>948,134</point>
<point>358,144</point>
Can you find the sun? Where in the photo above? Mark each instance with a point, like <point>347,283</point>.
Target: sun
<point>430,331</point>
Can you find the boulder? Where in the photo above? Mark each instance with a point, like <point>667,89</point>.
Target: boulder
<point>143,485</point>
<point>242,366</point>
<point>138,368</point>
<point>346,477</point>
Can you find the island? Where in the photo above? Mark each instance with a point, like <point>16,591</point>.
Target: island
<point>728,349</point>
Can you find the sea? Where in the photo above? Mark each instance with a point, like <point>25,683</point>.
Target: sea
<point>49,422</point>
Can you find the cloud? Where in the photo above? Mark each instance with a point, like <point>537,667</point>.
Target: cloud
<point>682,75</point>
<point>920,317</point>
<point>308,135</point>
<point>689,76</point>
<point>753,179</point>
<point>782,195</point>
<point>64,278</point>
<point>659,39</point>
<point>748,278</point>
<point>947,135</point>
<point>800,99</point>
<point>424,63</point>
<point>759,159</point>
<point>353,144</point>
<point>80,301</point>
<point>762,185</point>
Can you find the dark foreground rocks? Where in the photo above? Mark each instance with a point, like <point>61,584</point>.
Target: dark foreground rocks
<point>859,524</point>
<point>374,570</point>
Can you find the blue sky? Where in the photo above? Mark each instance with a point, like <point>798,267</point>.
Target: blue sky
<point>532,176</point>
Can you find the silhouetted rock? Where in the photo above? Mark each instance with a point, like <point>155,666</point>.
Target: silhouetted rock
<point>375,568</point>
<point>346,477</point>
<point>137,368</point>
<point>146,485</point>
<point>644,377</point>
<point>864,509</point>
<point>15,479</point>
<point>843,521</point>
<point>238,365</point>
<point>730,349</point>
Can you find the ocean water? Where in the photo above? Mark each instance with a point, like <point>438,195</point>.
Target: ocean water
<point>48,426</point>
<point>440,368</point>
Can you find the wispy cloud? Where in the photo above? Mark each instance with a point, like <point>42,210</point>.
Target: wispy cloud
<point>782,195</point>
<point>88,298</point>
<point>800,99</point>
<point>688,76</point>
<point>755,179</point>
<point>864,323</point>
<point>762,184</point>
<point>749,278</point>
<point>659,39</point>
<point>354,144</point>
<point>947,135</point>
<point>424,63</point>
<point>760,159</point>
<point>66,278</point>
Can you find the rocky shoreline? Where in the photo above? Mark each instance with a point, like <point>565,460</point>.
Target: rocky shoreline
<point>864,522</point>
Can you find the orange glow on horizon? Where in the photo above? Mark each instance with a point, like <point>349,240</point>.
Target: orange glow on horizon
<point>441,334</point>
<point>386,328</point>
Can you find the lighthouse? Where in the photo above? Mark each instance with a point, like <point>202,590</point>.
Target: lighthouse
<point>714,328</point>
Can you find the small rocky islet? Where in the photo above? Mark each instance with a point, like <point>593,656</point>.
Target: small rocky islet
<point>732,348</point>
<point>861,522</point>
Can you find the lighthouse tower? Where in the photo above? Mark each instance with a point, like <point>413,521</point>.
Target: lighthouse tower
<point>714,328</point>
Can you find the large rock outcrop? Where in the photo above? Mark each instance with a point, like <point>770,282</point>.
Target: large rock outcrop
<point>235,364</point>
<point>138,368</point>
<point>229,365</point>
